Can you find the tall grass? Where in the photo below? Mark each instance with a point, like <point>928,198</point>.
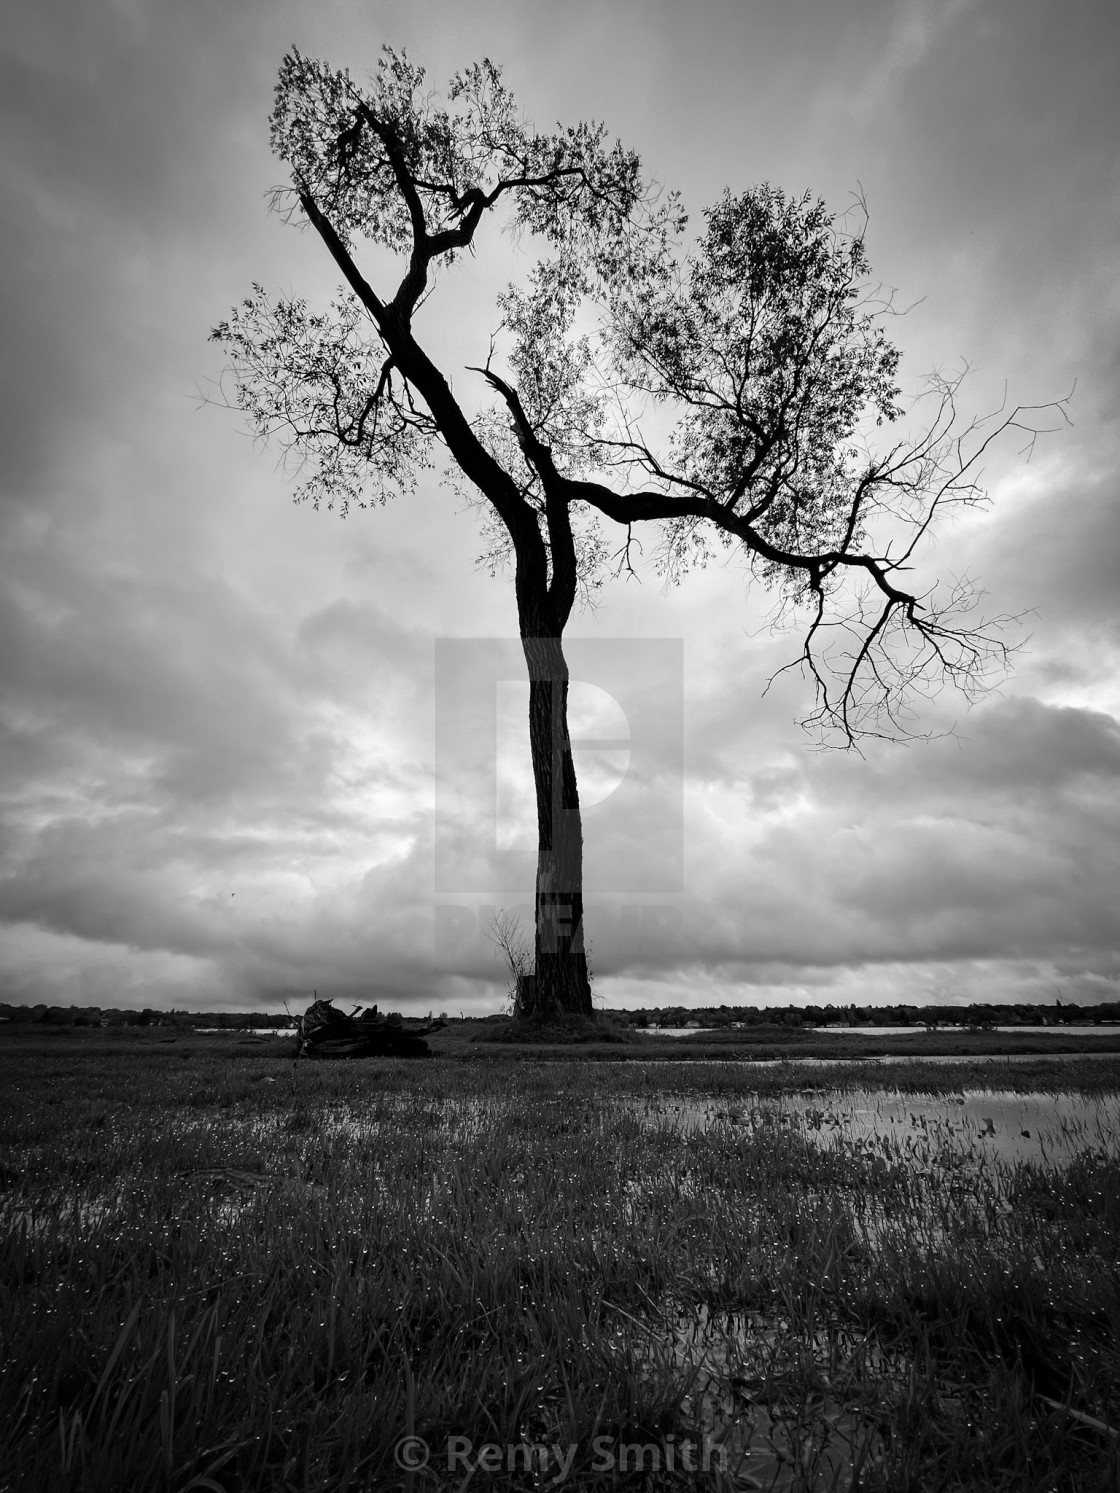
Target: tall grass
<point>233,1275</point>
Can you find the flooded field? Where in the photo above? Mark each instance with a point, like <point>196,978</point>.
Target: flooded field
<point>235,1273</point>
<point>1065,1029</point>
<point>984,1125</point>
<point>1071,1029</point>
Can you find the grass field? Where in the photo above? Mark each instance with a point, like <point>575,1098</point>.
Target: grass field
<point>222,1270</point>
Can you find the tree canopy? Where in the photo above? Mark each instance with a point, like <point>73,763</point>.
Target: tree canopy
<point>735,387</point>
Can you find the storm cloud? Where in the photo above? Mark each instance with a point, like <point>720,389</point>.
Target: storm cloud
<point>218,711</point>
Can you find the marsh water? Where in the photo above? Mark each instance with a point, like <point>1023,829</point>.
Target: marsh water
<point>1070,1029</point>
<point>982,1124</point>
<point>770,1258</point>
<point>988,1130</point>
<point>1062,1030</point>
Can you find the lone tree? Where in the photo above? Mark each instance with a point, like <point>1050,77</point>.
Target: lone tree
<point>727,390</point>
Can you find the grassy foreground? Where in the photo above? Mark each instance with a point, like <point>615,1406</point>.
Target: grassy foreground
<point>223,1271</point>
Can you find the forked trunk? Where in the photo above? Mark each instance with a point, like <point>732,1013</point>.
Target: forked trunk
<point>560,984</point>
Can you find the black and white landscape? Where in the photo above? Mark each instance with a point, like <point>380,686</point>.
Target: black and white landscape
<point>218,705</point>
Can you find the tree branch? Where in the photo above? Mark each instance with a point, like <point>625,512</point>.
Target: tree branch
<point>341,256</point>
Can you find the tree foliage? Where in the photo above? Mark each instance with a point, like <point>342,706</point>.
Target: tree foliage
<point>735,388</point>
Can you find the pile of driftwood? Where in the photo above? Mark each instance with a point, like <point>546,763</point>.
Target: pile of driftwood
<point>327,1033</point>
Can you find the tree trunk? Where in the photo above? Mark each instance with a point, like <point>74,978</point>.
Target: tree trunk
<point>560,984</point>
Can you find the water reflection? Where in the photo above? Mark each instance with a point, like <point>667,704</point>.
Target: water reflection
<point>1064,1029</point>
<point>984,1124</point>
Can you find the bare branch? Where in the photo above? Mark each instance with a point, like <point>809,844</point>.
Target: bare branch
<point>758,358</point>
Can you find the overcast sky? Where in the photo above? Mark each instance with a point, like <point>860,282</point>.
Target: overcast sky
<point>219,708</point>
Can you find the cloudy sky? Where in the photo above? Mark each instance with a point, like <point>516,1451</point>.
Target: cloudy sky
<point>220,725</point>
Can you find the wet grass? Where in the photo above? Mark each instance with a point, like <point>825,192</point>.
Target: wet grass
<point>224,1271</point>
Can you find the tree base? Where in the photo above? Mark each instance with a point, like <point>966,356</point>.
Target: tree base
<point>558,1029</point>
<point>560,989</point>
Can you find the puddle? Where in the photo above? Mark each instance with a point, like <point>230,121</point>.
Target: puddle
<point>1055,1029</point>
<point>941,1058</point>
<point>73,1214</point>
<point>243,1031</point>
<point>936,1137</point>
<point>983,1124</point>
<point>773,1406</point>
<point>989,1123</point>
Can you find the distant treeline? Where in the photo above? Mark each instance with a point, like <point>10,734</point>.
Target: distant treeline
<point>1058,1014</point>
<point>856,1016</point>
<point>235,1021</point>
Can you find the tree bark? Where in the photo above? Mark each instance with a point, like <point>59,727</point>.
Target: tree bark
<point>561,984</point>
